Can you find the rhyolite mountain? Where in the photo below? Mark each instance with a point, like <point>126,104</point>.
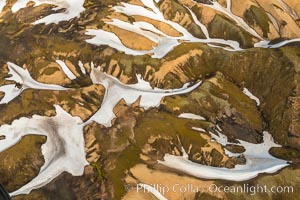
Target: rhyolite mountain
<point>241,59</point>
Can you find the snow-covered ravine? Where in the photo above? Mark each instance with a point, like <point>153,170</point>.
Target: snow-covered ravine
<point>251,96</point>
<point>164,42</point>
<point>191,116</point>
<point>115,91</point>
<point>72,9</point>
<point>63,151</point>
<point>25,81</point>
<point>263,43</point>
<point>289,10</point>
<point>66,69</point>
<point>64,133</point>
<point>258,160</point>
<point>227,11</point>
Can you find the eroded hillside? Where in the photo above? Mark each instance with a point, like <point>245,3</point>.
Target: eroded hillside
<point>101,96</point>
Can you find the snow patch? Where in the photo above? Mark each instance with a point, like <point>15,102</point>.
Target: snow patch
<point>81,66</point>
<point>227,11</point>
<point>274,22</point>
<point>22,77</point>
<point>63,151</point>
<point>191,116</point>
<point>115,91</point>
<point>73,9</point>
<point>198,129</point>
<point>258,160</point>
<point>251,96</point>
<point>66,69</point>
<point>289,10</point>
<point>266,44</point>
<point>165,43</point>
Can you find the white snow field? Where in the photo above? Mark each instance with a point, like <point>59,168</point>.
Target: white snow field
<point>251,96</point>
<point>73,9</point>
<point>22,77</point>
<point>65,141</point>
<point>166,43</point>
<point>191,116</point>
<point>258,160</point>
<point>63,151</point>
<point>115,91</point>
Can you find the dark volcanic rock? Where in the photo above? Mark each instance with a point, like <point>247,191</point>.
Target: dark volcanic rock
<point>204,1</point>
<point>235,148</point>
<point>237,131</point>
<point>217,157</point>
<point>231,162</point>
